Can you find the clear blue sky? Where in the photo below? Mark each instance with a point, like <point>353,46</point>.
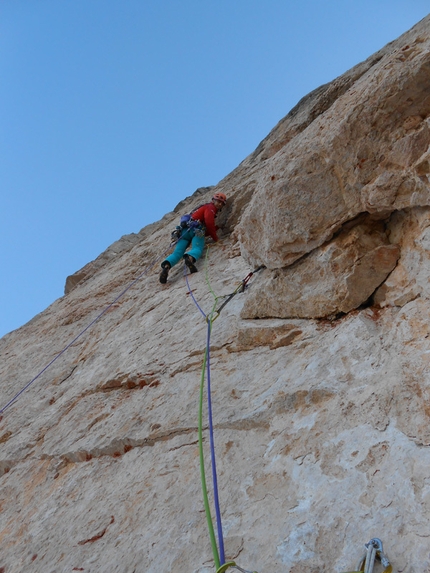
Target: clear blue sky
<point>112,111</point>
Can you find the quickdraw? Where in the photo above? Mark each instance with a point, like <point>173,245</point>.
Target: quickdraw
<point>241,288</point>
<point>374,550</point>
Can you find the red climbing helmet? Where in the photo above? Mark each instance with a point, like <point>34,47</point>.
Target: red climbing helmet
<point>220,197</point>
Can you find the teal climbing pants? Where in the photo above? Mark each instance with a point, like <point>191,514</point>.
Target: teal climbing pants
<point>188,238</point>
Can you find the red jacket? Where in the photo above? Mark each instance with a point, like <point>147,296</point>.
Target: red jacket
<point>206,215</point>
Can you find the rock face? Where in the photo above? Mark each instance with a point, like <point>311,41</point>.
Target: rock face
<point>337,277</point>
<point>320,369</point>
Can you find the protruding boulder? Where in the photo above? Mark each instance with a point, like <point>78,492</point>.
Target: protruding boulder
<point>368,152</point>
<point>336,278</point>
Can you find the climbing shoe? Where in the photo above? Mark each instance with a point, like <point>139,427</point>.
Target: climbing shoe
<point>189,261</point>
<point>166,266</point>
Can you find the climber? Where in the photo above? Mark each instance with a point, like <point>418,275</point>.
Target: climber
<point>193,229</point>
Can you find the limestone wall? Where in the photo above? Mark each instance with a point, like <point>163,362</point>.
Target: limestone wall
<point>320,370</point>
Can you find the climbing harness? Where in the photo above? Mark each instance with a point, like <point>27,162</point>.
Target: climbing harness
<point>219,557</point>
<point>145,271</point>
<point>186,223</point>
<point>374,550</point>
<point>190,224</point>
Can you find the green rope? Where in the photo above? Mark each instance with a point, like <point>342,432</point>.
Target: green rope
<point>200,432</point>
<point>224,567</point>
<point>210,319</point>
<point>202,467</point>
<point>207,280</point>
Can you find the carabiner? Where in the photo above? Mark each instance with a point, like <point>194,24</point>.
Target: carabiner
<point>374,550</point>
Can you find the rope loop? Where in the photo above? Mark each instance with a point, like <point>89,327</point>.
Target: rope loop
<point>233,565</point>
<point>224,567</point>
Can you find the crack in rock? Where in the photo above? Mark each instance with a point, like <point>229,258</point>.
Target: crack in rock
<point>97,536</point>
<point>129,382</point>
<point>69,375</point>
<point>184,446</point>
<point>121,382</point>
<point>119,447</point>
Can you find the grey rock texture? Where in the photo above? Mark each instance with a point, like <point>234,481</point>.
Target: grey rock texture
<point>320,369</point>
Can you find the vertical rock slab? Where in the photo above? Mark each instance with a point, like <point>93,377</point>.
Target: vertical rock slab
<point>366,153</point>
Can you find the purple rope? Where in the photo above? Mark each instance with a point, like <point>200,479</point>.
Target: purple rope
<point>211,429</point>
<point>191,292</point>
<point>81,333</point>
<point>212,445</point>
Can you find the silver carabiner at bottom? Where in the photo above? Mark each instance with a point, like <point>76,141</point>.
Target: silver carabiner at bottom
<point>374,550</point>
